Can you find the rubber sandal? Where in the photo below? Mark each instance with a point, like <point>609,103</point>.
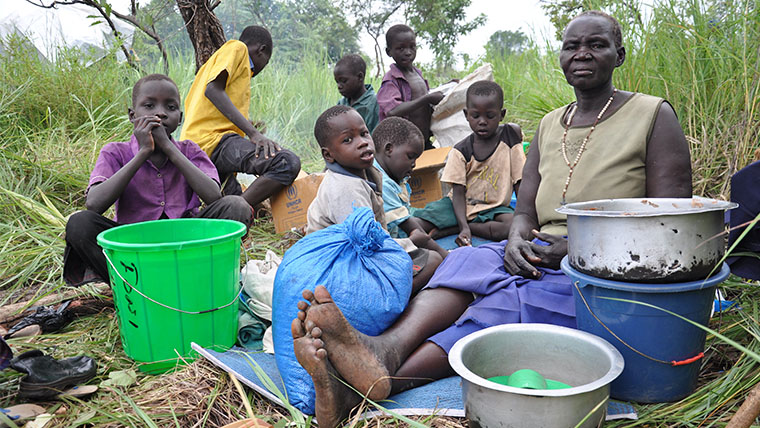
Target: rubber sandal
<point>47,377</point>
<point>28,331</point>
<point>41,421</point>
<point>79,391</point>
<point>249,423</point>
<point>20,412</point>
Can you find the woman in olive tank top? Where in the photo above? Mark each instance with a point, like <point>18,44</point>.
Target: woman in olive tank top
<point>608,143</point>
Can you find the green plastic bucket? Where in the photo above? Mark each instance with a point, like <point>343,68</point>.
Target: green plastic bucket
<point>174,282</point>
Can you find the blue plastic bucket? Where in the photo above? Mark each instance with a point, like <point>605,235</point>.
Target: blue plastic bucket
<point>662,352</point>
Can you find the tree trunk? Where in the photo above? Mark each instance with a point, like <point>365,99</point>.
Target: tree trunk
<point>203,27</point>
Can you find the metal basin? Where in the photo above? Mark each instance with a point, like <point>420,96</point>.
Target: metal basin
<point>646,240</point>
<point>585,362</point>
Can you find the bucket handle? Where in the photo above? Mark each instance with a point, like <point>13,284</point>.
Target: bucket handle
<point>108,259</point>
<point>670,363</point>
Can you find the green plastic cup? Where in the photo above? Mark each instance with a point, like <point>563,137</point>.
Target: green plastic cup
<point>528,379</point>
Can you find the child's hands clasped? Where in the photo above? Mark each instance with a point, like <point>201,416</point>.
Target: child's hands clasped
<point>144,126</point>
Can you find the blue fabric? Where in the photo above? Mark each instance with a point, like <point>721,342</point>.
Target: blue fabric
<point>502,298</point>
<point>441,396</point>
<point>367,273</point>
<point>394,195</point>
<point>449,242</point>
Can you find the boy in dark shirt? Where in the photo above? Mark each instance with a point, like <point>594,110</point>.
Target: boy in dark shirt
<point>149,177</point>
<point>404,92</point>
<point>349,75</point>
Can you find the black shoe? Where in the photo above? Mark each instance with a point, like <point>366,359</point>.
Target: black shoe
<point>48,318</point>
<point>47,377</point>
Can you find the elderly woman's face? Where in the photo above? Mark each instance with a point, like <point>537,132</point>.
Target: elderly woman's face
<point>589,56</point>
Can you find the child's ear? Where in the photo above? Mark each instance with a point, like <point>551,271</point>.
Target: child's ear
<point>131,114</point>
<point>388,149</point>
<point>464,110</point>
<point>326,155</point>
<point>360,75</point>
<point>503,113</point>
<point>181,116</point>
<point>262,50</point>
<point>388,51</point>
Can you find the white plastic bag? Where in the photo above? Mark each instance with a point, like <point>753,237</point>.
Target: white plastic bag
<point>448,124</point>
<point>258,283</point>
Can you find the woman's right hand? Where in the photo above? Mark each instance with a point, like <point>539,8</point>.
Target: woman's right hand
<point>144,126</point>
<point>518,256</point>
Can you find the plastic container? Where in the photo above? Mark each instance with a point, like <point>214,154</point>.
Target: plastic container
<point>174,282</point>
<point>671,347</point>
<point>528,379</point>
<point>585,362</point>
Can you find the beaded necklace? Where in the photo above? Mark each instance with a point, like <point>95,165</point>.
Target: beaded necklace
<point>568,122</point>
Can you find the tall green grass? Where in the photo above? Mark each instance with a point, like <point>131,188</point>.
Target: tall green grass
<point>54,118</point>
<point>703,57</point>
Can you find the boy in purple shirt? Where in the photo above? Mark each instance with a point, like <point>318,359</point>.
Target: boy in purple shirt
<point>404,92</point>
<point>149,177</point>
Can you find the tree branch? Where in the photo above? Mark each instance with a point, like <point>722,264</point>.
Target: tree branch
<point>53,4</point>
<point>132,19</point>
<point>106,18</point>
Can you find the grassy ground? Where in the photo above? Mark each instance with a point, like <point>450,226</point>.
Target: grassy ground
<point>55,117</point>
<point>202,395</point>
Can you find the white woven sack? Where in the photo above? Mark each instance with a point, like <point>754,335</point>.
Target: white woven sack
<point>448,124</point>
<point>258,283</point>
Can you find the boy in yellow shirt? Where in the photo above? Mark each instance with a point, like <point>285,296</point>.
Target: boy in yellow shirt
<point>216,111</point>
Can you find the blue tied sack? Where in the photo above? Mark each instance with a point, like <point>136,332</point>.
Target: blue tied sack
<point>367,273</point>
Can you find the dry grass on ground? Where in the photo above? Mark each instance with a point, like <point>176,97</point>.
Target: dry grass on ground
<point>202,395</point>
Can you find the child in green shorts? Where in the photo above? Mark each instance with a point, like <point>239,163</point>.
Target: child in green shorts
<point>483,170</point>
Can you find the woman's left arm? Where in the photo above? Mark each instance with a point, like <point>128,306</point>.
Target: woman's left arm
<point>668,162</point>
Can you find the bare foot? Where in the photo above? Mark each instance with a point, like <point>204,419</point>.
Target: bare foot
<point>361,361</point>
<point>334,400</point>
<point>442,233</point>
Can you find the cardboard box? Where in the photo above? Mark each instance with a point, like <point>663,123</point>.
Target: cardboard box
<point>425,180</point>
<point>290,205</point>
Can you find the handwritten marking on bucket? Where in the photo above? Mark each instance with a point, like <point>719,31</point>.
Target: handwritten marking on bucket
<point>128,290</point>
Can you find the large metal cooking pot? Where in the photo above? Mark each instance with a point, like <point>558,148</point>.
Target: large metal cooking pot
<point>646,240</point>
<point>586,362</point>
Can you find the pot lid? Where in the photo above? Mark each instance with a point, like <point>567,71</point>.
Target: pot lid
<point>645,207</point>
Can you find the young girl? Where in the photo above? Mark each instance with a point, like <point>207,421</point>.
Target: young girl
<point>149,177</point>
